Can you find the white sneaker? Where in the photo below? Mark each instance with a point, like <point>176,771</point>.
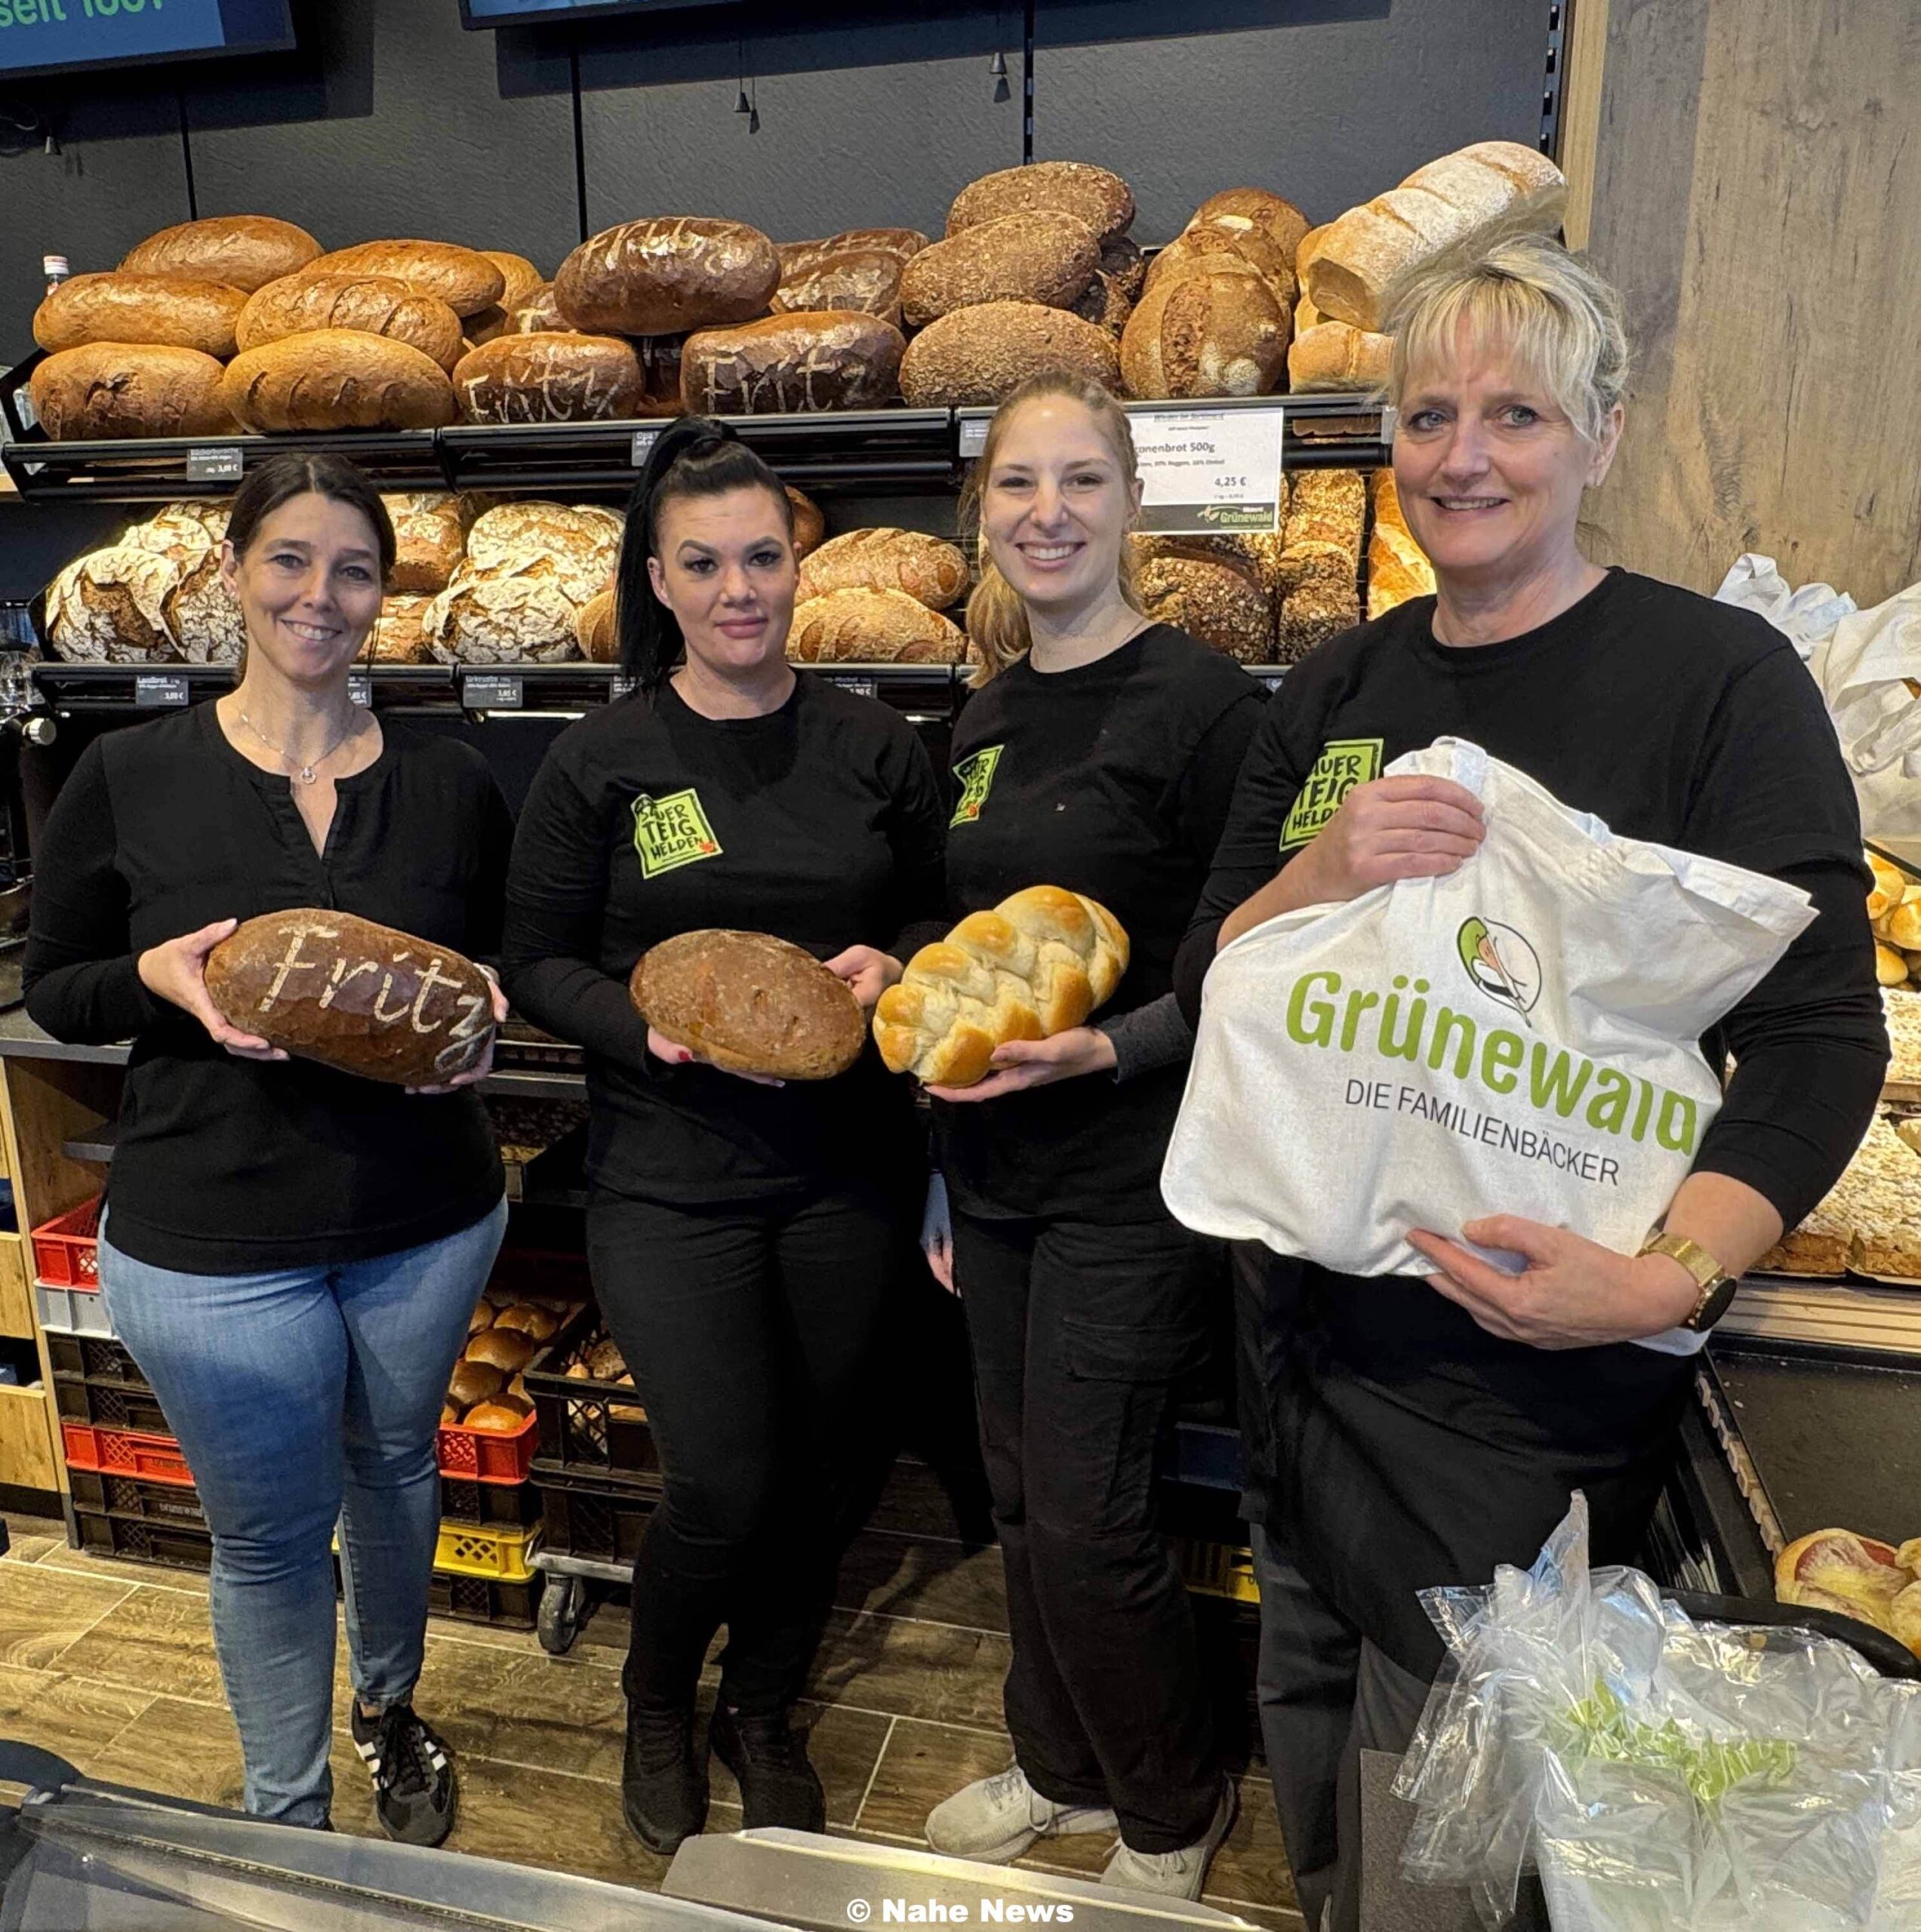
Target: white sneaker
<point>996,1819</point>
<point>1173,1875</point>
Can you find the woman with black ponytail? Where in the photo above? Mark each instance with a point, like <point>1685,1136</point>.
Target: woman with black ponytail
<point>744,1235</point>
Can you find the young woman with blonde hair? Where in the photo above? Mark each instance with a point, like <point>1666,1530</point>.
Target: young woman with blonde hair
<point>1099,753</point>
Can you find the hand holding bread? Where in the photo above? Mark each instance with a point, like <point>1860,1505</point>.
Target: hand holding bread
<point>175,971</point>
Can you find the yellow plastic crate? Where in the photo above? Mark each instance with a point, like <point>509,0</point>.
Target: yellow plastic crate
<point>467,1549</point>
<point>1217,1569</point>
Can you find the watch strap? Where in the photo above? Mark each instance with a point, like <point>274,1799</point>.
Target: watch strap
<point>1716,1284</point>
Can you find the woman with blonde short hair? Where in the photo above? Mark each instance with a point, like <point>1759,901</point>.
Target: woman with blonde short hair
<point>1407,1433</point>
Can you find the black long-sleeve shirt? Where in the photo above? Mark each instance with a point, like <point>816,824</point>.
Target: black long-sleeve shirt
<point>1112,779</point>
<point>821,823</point>
<point>225,1166</point>
<point>1675,719</point>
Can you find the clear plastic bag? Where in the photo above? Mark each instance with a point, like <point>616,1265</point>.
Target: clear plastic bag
<point>1661,1775</point>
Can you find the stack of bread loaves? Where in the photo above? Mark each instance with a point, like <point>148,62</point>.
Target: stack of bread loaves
<point>1398,568</point>
<point>516,596</point>
<point>1320,559</point>
<point>153,595</point>
<point>1214,588</point>
<point>506,1332</point>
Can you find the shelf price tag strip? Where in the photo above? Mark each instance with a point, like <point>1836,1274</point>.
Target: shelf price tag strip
<point>1209,472</point>
<point>491,694</point>
<point>151,693</point>
<point>360,686</point>
<point>214,465</point>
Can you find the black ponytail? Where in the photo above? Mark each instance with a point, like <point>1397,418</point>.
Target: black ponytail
<point>694,455</point>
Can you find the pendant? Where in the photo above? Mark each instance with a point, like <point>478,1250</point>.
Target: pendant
<point>307,775</point>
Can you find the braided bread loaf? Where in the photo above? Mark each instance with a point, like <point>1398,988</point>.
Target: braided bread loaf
<point>1039,963</point>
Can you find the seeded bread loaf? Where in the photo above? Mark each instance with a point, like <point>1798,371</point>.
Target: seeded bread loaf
<point>1219,603</point>
<point>110,389</point>
<point>140,307</point>
<point>244,251</point>
<point>666,276</point>
<point>975,355</point>
<point>338,379</point>
<point>462,277</point>
<point>1044,256</point>
<point>376,304</point>
<point>1093,195</point>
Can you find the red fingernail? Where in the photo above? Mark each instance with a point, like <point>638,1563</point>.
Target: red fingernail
<point>685,1056</point>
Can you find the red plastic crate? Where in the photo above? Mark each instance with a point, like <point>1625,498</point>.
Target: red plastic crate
<point>66,1249</point>
<point>488,1455</point>
<point>121,1452</point>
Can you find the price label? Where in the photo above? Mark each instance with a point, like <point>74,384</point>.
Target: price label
<point>360,686</point>
<point>214,465</point>
<point>972,435</point>
<point>620,687</point>
<point>1209,472</point>
<point>151,693</point>
<point>644,440</point>
<point>861,687</point>
<point>490,694</point>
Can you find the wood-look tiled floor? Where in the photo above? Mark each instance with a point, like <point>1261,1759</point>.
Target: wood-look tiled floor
<point>112,1665</point>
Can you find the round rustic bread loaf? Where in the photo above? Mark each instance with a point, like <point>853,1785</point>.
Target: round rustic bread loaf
<point>799,364</point>
<point>205,616</point>
<point>974,357</point>
<point>1237,209</point>
<point>1204,335</point>
<point>397,637</point>
<point>930,571</point>
<point>110,607</point>
<point>376,304</point>
<point>184,531</point>
<point>1222,606</point>
<point>1206,250</point>
<point>799,258</point>
<point>506,1415</point>
<point>358,997</point>
<point>338,379</point>
<point>245,251</point>
<point>428,542</point>
<point>522,614</point>
<point>750,1003</point>
<point>872,627</point>
<point>529,1319</point>
<point>139,308</point>
<point>550,378</point>
<point>462,277</point>
<point>1121,258</point>
<point>865,279</point>
<point>1044,256</point>
<point>1102,200</point>
<point>666,275</point>
<point>108,389</point>
<point>579,542</point>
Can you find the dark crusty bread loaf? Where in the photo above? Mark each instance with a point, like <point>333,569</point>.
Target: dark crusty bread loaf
<point>975,356</point>
<point>359,997</point>
<point>120,389</point>
<point>930,571</point>
<point>666,275</point>
<point>140,307</point>
<point>555,378</point>
<point>1124,264</point>
<point>338,379</point>
<point>462,277</point>
<point>751,1003</point>
<point>1203,334</point>
<point>1238,210</point>
<point>1043,256</point>
<point>866,279</point>
<point>245,251</point>
<point>821,359</point>
<point>809,526</point>
<point>859,627</point>
<point>1102,200</point>
<point>799,258</point>
<point>1221,605</point>
<point>376,304</point>
<point>1206,250</point>
<point>1106,305</point>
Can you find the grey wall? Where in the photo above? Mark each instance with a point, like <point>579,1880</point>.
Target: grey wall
<point>392,119</point>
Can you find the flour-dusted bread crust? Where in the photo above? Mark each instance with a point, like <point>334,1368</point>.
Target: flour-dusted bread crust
<point>428,541</point>
<point>799,258</point>
<point>751,1003</point>
<point>667,276</point>
<point>109,607</point>
<point>204,616</point>
<point>354,995</point>
<point>398,637</point>
<point>1206,334</point>
<point>867,280</point>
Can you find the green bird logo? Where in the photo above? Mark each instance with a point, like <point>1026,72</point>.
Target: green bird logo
<point>1501,962</point>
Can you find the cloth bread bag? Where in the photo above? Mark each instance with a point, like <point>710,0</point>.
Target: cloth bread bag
<point>1519,1038</point>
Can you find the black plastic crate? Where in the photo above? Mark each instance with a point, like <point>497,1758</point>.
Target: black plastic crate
<point>587,1428</point>
<point>108,1404</point>
<point>481,1600</point>
<point>98,1358</point>
<point>129,1496</point>
<point>488,1504</point>
<point>603,1518</point>
<point>177,1546</point>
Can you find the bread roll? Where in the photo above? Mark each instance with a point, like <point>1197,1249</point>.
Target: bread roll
<point>110,607</point>
<point>1206,250</point>
<point>975,356</point>
<point>428,540</point>
<point>1902,926</point>
<point>462,277</point>
<point>506,1415</point>
<point>872,627</point>
<point>800,258</point>
<point>356,996</point>
<point>1038,963</point>
<point>930,571</point>
<point>668,275</point>
<point>1890,883</point>
<point>1452,202</point>
<point>521,277</point>
<point>473,1382</point>
<point>809,526</point>
<point>205,616</point>
<point>1236,210</point>
<point>825,359</point>
<point>1332,356</point>
<point>1205,335</point>
<point>867,280</point>
<point>1890,967</point>
<point>109,389</point>
<point>1102,200</point>
<point>555,378</point>
<point>533,1322</point>
<point>751,1003</point>
<point>245,251</point>
<point>506,1350</point>
<point>338,379</point>
<point>1042,256</point>
<point>399,636</point>
<point>1398,568</point>
<point>605,1361</point>
<point>1223,607</point>
<point>376,304</point>
<point>599,630</point>
<point>483,1317</point>
<point>139,308</point>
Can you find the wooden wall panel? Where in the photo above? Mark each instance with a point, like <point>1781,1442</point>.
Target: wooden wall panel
<point>1757,194</point>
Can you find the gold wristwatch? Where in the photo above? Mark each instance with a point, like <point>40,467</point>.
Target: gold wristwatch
<point>1717,1286</point>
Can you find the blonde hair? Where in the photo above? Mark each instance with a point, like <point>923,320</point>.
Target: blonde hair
<point>996,617</point>
<point>1551,310</point>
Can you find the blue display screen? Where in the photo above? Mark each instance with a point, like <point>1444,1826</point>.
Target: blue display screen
<point>507,13</point>
<point>42,36</point>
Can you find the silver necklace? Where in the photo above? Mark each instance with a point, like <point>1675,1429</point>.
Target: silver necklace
<point>306,773</point>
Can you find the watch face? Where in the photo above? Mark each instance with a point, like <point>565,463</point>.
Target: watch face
<point>1717,1305</point>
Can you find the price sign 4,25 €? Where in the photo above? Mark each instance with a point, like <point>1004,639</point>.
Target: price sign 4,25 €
<point>1206,472</point>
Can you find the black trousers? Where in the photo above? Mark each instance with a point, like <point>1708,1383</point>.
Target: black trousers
<point>1079,1331</point>
<point>751,1331</point>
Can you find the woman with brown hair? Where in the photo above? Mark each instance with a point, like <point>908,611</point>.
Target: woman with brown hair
<point>1098,753</point>
<point>291,1254</point>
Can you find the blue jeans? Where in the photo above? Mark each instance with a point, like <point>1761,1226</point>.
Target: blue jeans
<point>302,1399</point>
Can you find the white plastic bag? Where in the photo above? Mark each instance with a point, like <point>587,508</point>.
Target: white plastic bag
<point>1519,1037</point>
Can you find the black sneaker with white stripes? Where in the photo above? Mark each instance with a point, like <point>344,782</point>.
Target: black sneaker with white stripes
<point>415,1791</point>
